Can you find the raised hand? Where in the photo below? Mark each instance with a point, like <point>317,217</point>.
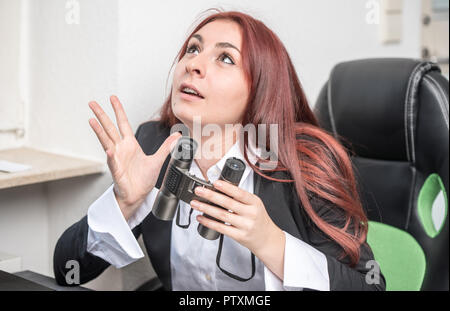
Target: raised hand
<point>134,173</point>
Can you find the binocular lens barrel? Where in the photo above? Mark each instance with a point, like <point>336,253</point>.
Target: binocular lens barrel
<point>166,202</point>
<point>232,172</point>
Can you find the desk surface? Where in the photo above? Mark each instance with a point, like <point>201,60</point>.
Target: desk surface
<point>45,167</point>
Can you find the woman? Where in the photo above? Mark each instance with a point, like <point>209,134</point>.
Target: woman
<point>299,226</point>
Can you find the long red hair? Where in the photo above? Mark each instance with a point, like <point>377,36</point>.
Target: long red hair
<point>316,162</point>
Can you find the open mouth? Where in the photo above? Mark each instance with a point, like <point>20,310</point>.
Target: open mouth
<point>191,91</point>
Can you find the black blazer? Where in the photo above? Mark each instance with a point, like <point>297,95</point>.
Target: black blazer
<point>282,205</point>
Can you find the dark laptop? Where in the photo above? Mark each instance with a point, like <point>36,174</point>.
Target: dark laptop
<point>32,281</point>
<point>11,282</point>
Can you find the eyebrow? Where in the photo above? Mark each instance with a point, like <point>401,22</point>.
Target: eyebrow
<point>218,44</point>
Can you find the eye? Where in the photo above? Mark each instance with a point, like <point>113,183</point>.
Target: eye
<point>224,56</point>
<point>192,46</point>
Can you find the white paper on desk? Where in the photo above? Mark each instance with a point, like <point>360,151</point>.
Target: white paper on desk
<point>11,167</point>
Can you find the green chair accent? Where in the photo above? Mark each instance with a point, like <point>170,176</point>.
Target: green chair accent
<point>399,255</point>
<point>432,186</point>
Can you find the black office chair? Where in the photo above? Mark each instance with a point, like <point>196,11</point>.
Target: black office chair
<point>394,115</point>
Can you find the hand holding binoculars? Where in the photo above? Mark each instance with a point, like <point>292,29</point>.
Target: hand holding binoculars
<point>179,184</point>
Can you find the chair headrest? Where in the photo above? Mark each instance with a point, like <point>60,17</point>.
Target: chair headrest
<point>373,102</point>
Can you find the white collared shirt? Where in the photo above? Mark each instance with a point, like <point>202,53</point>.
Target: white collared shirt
<point>193,258</point>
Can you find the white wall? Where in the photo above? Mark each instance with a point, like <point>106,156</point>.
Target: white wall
<point>11,105</point>
<point>127,48</point>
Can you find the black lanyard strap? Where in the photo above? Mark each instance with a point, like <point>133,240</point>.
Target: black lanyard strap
<point>231,275</point>
<point>178,218</point>
<point>219,250</point>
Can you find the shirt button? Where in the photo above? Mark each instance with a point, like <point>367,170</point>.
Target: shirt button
<point>208,277</point>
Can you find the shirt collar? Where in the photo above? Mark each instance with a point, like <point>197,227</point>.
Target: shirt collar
<point>214,171</point>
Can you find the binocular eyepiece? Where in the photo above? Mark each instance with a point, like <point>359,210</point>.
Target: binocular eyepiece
<point>178,184</point>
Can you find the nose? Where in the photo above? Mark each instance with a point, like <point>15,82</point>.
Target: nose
<point>196,66</point>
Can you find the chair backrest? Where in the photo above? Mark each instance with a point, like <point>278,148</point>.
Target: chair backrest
<point>393,115</point>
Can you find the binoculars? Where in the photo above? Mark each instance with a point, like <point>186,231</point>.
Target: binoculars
<point>178,184</point>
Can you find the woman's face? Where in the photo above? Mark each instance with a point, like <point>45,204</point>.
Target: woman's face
<point>212,65</point>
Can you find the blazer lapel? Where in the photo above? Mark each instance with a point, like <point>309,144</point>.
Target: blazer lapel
<point>281,203</point>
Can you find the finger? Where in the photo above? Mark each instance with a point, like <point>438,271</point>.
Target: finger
<point>104,139</point>
<point>121,117</point>
<point>105,121</point>
<point>235,192</point>
<point>230,231</point>
<point>220,199</point>
<point>219,213</point>
<point>167,146</point>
